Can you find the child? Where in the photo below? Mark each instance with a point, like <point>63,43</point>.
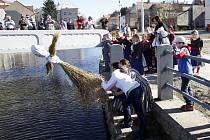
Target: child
<point>196,46</point>
<point>136,60</point>
<point>184,66</point>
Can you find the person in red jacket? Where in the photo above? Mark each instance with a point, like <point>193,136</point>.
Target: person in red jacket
<point>80,22</point>
<point>184,66</point>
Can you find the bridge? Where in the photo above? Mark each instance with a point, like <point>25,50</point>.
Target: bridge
<point>178,125</point>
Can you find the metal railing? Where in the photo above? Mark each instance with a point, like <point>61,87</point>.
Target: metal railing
<point>166,71</point>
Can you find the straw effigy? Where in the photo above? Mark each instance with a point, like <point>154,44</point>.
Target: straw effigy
<point>88,84</point>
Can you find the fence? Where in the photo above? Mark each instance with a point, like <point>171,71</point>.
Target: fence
<point>21,40</point>
<point>165,75</point>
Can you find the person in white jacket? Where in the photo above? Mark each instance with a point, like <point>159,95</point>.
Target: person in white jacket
<point>90,23</point>
<point>133,92</point>
<point>9,23</point>
<point>160,33</point>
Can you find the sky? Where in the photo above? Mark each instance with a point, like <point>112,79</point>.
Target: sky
<point>94,8</point>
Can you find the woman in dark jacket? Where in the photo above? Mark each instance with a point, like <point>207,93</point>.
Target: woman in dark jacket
<point>136,59</point>
<point>196,47</point>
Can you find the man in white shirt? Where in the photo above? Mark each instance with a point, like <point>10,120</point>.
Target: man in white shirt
<point>9,23</point>
<point>133,93</point>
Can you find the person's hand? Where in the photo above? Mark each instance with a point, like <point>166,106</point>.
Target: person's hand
<point>99,90</point>
<point>117,93</point>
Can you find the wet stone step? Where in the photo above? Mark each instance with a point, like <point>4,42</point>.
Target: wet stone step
<point>115,118</point>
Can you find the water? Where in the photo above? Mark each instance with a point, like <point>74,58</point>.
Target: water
<point>34,106</point>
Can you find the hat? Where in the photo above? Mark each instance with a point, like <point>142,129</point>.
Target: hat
<point>195,32</point>
<point>180,39</point>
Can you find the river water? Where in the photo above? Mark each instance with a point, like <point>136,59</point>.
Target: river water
<point>36,106</point>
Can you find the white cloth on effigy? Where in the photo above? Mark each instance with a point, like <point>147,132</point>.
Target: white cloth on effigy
<point>40,51</point>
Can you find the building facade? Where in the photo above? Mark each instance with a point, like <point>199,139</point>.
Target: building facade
<point>67,12</point>
<point>16,9</point>
<point>207,11</point>
<point>181,16</point>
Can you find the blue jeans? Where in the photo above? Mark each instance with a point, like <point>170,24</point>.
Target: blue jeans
<point>135,98</point>
<point>185,87</point>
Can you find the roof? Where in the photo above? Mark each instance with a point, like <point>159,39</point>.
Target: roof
<point>30,7</point>
<point>5,1</point>
<point>65,6</point>
<point>19,7</point>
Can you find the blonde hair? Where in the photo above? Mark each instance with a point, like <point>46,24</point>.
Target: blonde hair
<point>135,38</point>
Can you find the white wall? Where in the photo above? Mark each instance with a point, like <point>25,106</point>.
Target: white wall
<point>21,40</point>
<point>207,11</point>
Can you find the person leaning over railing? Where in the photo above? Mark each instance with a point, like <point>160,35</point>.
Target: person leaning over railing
<point>133,92</point>
<point>184,66</point>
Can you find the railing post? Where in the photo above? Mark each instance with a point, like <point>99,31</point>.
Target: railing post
<point>164,60</point>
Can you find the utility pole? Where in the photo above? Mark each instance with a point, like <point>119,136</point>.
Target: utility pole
<point>142,16</point>
<point>119,15</point>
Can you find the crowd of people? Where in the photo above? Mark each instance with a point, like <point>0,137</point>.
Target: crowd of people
<point>139,53</point>
<point>29,23</point>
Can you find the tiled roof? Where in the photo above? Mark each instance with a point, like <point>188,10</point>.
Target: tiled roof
<point>17,3</point>
<point>5,1</point>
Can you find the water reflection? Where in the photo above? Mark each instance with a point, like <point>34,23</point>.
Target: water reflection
<point>34,106</point>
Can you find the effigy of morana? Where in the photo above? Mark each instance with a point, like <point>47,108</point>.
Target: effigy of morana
<point>86,82</point>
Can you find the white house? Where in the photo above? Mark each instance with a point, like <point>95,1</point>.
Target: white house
<point>67,12</point>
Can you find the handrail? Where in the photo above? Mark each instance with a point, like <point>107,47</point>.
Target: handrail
<point>204,105</point>
<point>165,75</point>
<point>204,82</point>
<point>200,59</point>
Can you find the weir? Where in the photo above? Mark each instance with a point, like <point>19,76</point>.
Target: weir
<point>172,124</point>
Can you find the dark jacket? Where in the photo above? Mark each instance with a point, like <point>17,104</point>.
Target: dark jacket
<point>196,45</point>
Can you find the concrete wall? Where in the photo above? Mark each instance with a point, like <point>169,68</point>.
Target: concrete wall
<point>21,41</point>
<point>207,11</point>
<point>198,15</point>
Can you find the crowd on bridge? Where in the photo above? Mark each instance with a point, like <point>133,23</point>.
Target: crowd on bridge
<point>29,23</point>
<point>140,53</point>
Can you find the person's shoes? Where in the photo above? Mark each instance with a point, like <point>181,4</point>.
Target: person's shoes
<point>187,107</point>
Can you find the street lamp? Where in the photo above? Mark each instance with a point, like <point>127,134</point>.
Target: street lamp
<point>119,15</point>
<point>141,2</point>
<point>142,16</point>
